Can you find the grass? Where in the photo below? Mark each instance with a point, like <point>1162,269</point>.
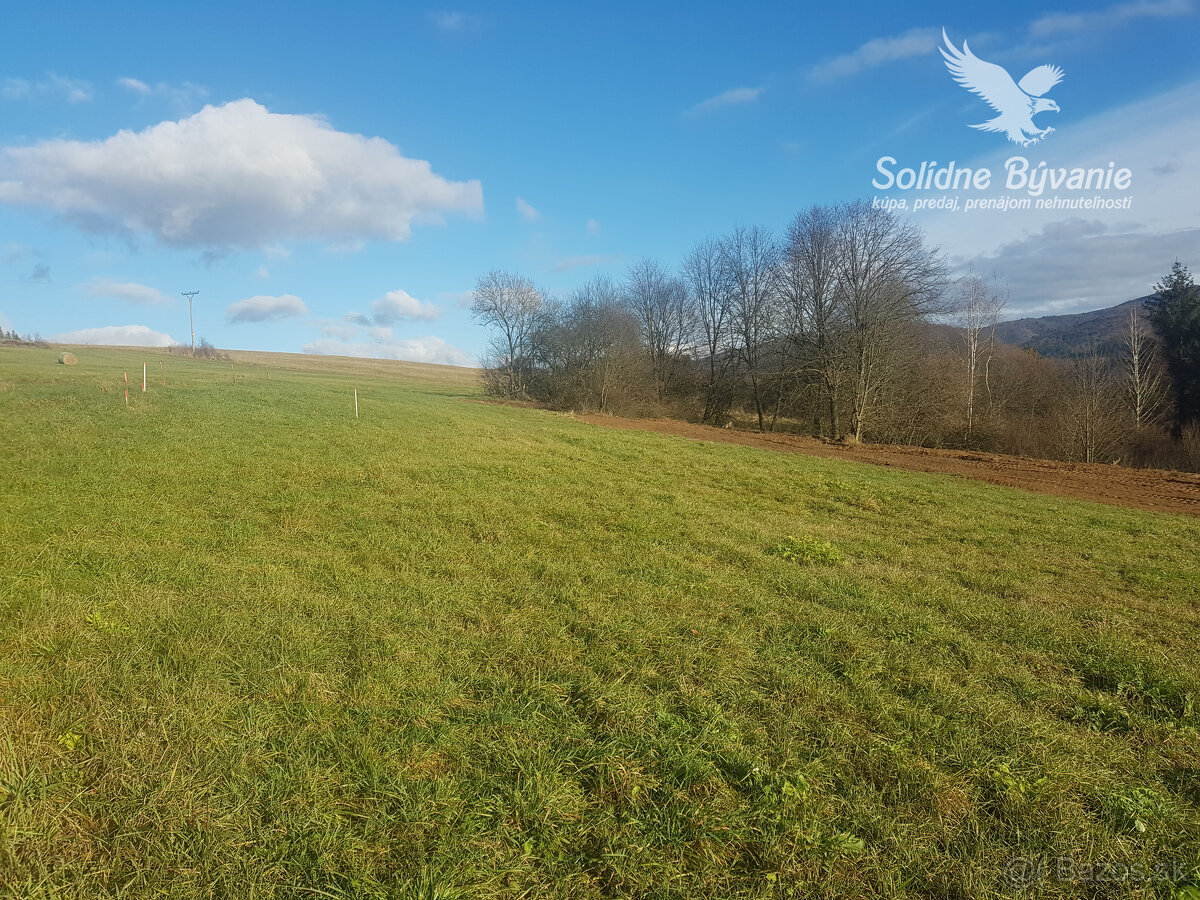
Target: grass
<point>251,646</point>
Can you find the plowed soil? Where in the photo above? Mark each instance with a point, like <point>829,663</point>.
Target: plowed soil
<point>1152,489</point>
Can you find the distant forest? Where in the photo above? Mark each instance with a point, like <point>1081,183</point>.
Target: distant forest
<point>847,327</point>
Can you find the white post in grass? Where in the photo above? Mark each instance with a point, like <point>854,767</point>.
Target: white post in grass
<point>143,378</point>
<point>356,403</point>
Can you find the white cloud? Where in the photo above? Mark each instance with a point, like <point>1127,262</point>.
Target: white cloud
<point>1076,260</point>
<point>181,96</point>
<point>235,176</point>
<point>129,291</point>
<point>527,211</point>
<point>429,349</point>
<point>132,84</point>
<point>262,272</point>
<point>265,309</point>
<point>397,306</point>
<point>593,228</point>
<point>117,336</point>
<point>734,97</point>
<point>575,262</point>
<point>1056,24</point>
<point>73,90</point>
<point>877,52</point>
<point>1078,264</point>
<point>333,329</point>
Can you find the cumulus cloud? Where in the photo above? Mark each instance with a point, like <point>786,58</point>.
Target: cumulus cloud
<point>734,97</point>
<point>397,306</point>
<point>265,309</point>
<point>528,212</point>
<point>73,90</point>
<point>235,176</point>
<point>117,336</point>
<point>429,349</point>
<point>129,291</point>
<point>877,52</point>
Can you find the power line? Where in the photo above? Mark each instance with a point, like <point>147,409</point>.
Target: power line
<point>191,320</point>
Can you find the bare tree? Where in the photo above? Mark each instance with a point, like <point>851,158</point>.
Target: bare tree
<point>1092,430</point>
<point>809,289</point>
<point>511,306</point>
<point>1145,392</point>
<point>751,259</point>
<point>658,301</point>
<point>605,336</point>
<point>976,311</point>
<point>708,291</point>
<point>888,280</point>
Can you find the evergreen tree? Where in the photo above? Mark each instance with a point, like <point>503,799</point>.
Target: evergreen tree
<point>1175,315</point>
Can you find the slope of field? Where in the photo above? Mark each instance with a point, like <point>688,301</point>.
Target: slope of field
<point>1152,489</point>
<point>252,646</point>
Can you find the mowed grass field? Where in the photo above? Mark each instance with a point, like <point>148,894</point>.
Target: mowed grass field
<point>251,646</point>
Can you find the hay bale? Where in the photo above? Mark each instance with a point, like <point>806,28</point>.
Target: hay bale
<point>68,359</point>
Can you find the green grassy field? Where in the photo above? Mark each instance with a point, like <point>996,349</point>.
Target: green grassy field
<point>251,646</point>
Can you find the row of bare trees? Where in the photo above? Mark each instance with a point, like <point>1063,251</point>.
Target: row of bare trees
<point>845,327</point>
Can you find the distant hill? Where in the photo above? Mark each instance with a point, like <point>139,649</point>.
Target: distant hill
<point>1064,336</point>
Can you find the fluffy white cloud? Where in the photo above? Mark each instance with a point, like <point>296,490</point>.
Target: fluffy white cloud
<point>877,52</point>
<point>397,306</point>
<point>265,309</point>
<point>429,349</point>
<point>232,176</point>
<point>734,97</point>
<point>129,291</point>
<point>117,336</point>
<point>528,212</point>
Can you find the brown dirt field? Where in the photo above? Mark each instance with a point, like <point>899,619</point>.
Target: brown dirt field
<point>1152,489</point>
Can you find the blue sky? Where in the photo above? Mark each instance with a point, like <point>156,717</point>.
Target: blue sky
<point>335,178</point>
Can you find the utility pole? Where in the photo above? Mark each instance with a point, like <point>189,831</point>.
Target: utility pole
<point>191,320</point>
